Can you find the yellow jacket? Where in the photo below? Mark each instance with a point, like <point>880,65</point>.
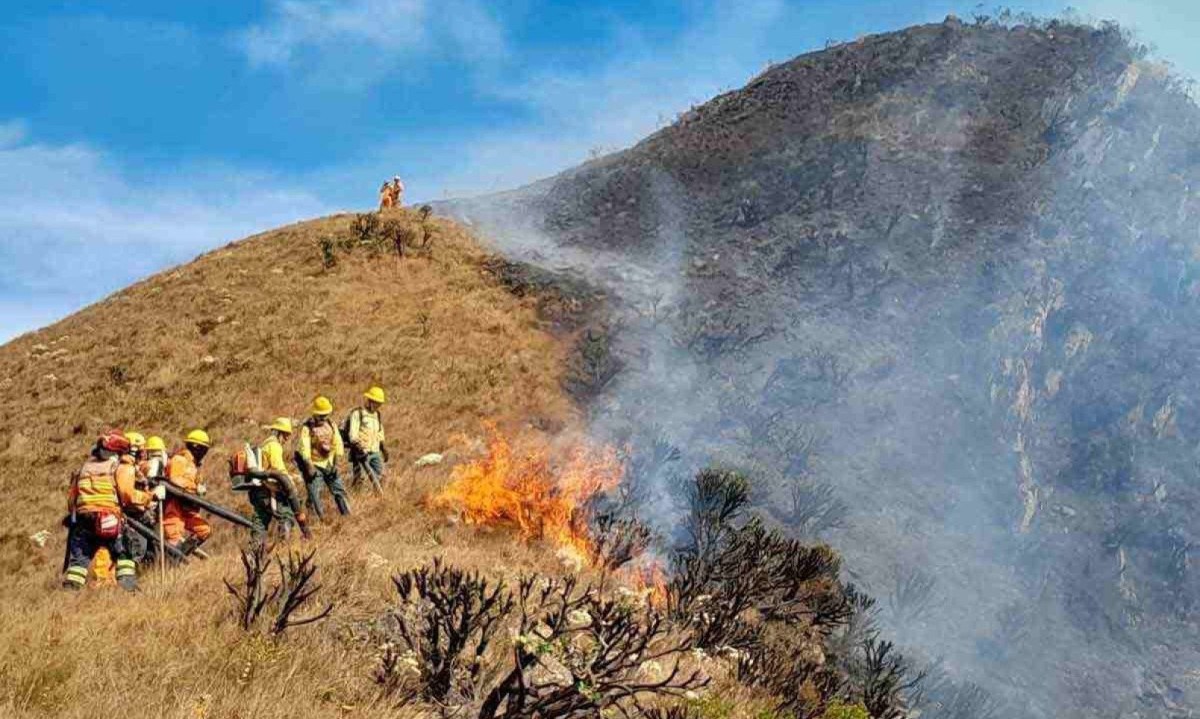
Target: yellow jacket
<point>366,430</point>
<point>270,455</point>
<point>321,445</point>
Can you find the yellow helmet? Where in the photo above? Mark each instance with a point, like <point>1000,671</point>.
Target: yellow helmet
<point>156,444</point>
<point>136,440</point>
<point>198,436</point>
<point>321,406</point>
<point>375,394</point>
<point>281,424</point>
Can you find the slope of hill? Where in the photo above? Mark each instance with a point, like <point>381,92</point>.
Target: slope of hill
<point>245,333</point>
<point>937,286</point>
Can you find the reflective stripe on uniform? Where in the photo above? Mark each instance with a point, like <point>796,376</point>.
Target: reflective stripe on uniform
<point>76,575</point>
<point>126,568</point>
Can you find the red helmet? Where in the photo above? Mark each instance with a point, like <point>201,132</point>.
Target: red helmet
<point>114,440</point>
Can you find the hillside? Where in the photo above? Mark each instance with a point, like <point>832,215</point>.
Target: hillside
<point>937,289</point>
<point>512,579</point>
<point>245,333</point>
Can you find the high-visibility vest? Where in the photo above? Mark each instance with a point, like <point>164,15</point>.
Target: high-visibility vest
<point>96,487</point>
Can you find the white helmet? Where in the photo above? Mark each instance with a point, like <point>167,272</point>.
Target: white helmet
<point>395,177</point>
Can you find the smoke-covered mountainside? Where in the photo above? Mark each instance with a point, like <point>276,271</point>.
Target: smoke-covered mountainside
<point>938,289</point>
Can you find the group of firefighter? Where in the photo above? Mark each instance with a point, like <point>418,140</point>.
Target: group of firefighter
<point>132,503</point>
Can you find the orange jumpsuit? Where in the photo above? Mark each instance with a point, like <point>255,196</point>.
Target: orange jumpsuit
<point>180,518</point>
<point>134,501</point>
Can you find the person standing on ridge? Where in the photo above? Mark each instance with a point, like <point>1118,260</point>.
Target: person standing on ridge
<point>364,432</point>
<point>397,192</point>
<point>183,524</point>
<point>320,449</point>
<point>94,518</point>
<point>276,484</point>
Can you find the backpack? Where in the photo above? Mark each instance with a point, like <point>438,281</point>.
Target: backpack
<point>344,429</point>
<point>244,461</point>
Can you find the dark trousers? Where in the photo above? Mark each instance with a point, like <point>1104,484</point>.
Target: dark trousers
<point>82,545</point>
<point>268,508</point>
<point>314,478</point>
<point>361,463</point>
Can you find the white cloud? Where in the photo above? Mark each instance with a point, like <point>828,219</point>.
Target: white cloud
<point>640,87</point>
<point>361,40</point>
<point>74,228</point>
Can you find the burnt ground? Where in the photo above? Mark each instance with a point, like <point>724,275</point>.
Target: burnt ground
<point>937,290</point>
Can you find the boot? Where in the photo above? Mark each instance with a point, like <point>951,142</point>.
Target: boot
<point>129,583</point>
<point>190,544</point>
<point>343,506</point>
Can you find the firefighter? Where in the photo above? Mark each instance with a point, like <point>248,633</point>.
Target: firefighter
<point>317,458</point>
<point>273,492</point>
<point>183,525</point>
<point>94,519</point>
<point>364,430</point>
<point>397,192</point>
<point>386,200</point>
<point>136,503</point>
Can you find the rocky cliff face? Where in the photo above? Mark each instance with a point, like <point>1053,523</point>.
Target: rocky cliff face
<point>937,289</point>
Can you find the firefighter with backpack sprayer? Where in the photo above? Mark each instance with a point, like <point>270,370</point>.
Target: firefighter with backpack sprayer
<point>363,431</point>
<point>94,515</point>
<point>262,474</point>
<point>317,458</point>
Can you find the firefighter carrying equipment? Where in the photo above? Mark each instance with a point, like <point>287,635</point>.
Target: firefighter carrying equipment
<point>279,486</point>
<point>95,517</point>
<point>375,394</point>
<point>179,517</point>
<point>322,407</point>
<point>198,437</point>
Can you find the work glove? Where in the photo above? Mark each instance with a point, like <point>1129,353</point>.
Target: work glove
<point>201,490</point>
<point>159,491</point>
<point>302,522</point>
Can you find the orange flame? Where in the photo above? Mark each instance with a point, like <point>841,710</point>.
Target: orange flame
<point>540,498</point>
<point>648,576</point>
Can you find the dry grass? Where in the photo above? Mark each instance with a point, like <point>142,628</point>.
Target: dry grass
<point>242,334</point>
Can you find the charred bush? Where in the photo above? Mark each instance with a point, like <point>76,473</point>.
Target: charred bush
<point>943,698</point>
<point>446,620</point>
<point>579,654</point>
<point>118,375</point>
<point>727,332</point>
<point>252,597</point>
<point>593,364</point>
<point>731,579</point>
<point>911,594</point>
<point>328,255</point>
<point>363,227</point>
<point>882,679</point>
<point>289,595</point>
<point>814,507</point>
<point>618,540</point>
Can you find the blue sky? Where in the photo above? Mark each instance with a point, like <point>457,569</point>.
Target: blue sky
<point>135,134</point>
